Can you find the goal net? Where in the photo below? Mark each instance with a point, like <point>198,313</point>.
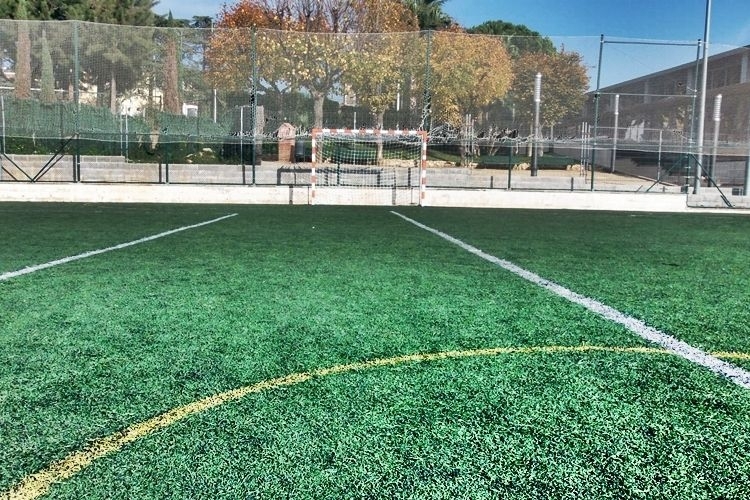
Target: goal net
<point>388,161</point>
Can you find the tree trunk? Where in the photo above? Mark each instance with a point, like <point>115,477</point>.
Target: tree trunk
<point>48,77</point>
<point>113,93</point>
<point>171,77</point>
<point>318,99</point>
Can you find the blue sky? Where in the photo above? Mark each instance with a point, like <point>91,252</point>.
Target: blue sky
<point>577,24</point>
<point>652,19</point>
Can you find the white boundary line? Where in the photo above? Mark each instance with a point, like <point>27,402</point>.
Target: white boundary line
<point>65,260</point>
<point>734,373</point>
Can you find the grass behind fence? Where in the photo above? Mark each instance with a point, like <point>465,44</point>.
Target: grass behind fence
<point>91,347</point>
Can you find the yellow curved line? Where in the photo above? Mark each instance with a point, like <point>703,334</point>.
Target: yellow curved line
<point>742,356</point>
<point>39,483</point>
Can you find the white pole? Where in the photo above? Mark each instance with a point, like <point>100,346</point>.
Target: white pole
<point>127,133</point>
<point>215,105</point>
<point>704,85</point>
<point>214,89</point>
<point>717,120</point>
<point>537,102</point>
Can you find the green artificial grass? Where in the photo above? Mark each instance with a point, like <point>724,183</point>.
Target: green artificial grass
<point>681,273</point>
<point>93,346</point>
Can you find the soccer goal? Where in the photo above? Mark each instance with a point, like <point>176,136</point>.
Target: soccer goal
<point>373,166</point>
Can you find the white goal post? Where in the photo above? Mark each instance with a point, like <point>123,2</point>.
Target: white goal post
<point>372,159</point>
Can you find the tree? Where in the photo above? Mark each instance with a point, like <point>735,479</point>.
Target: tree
<point>48,77</point>
<point>310,51</point>
<point>169,39</point>
<point>59,10</point>
<point>383,59</point>
<point>469,72</point>
<point>114,57</point>
<point>430,14</point>
<point>564,85</point>
<point>518,38</point>
<point>231,46</point>
<point>58,36</point>
<point>128,12</point>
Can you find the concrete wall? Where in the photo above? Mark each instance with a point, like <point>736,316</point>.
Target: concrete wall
<point>284,184</point>
<point>283,195</point>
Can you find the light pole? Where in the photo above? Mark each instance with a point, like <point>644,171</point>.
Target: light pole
<point>702,113</point>
<point>717,120</point>
<point>614,134</point>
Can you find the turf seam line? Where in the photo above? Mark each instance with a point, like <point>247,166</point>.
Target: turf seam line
<point>91,253</point>
<point>683,349</point>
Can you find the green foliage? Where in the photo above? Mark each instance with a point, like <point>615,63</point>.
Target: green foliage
<point>519,38</point>
<point>430,14</point>
<point>134,12</point>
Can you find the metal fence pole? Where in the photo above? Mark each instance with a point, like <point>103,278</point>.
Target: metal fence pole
<point>702,113</point>
<point>535,146</point>
<point>596,109</point>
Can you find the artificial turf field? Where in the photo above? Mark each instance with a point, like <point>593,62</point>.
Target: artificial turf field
<point>343,352</point>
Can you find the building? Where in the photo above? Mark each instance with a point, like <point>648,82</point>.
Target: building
<point>668,100</point>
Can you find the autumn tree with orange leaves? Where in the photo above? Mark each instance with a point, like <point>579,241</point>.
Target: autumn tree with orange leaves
<point>468,73</point>
<point>304,45</point>
<point>387,55</point>
<point>564,85</point>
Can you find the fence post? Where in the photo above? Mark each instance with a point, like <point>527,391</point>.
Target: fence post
<point>427,93</point>
<point>614,134</point>
<point>717,120</point>
<point>76,103</point>
<point>596,109</point>
<point>254,102</point>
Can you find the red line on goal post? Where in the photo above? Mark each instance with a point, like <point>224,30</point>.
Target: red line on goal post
<point>423,169</point>
<point>313,158</point>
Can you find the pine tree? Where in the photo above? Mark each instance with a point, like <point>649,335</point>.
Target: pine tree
<point>23,53</point>
<point>48,78</point>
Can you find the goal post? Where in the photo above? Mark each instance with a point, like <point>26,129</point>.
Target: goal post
<point>390,164</point>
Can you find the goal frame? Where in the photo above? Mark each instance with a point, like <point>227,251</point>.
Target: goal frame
<point>317,133</point>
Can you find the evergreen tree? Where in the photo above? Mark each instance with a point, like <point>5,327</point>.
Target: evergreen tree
<point>23,53</point>
<point>170,39</point>
<point>519,38</point>
<point>48,78</point>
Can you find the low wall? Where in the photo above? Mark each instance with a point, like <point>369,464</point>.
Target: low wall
<point>283,195</point>
<point>277,183</point>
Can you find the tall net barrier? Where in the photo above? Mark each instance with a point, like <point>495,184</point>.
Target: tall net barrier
<point>103,103</point>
